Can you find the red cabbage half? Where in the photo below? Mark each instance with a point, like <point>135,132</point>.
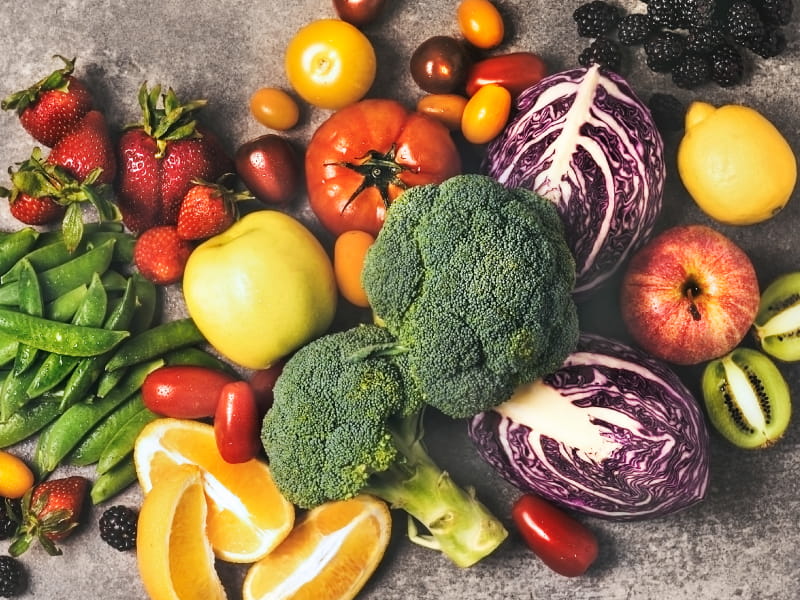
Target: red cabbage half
<point>613,433</point>
<point>583,139</point>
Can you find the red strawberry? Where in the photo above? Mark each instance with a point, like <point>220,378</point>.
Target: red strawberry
<point>49,513</point>
<point>160,158</point>
<point>160,255</point>
<point>36,211</point>
<point>208,209</point>
<point>85,148</point>
<point>52,106</point>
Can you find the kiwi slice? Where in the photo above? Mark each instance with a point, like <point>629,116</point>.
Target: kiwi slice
<point>747,398</point>
<point>777,322</point>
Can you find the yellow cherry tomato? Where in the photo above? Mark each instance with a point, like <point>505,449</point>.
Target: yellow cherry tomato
<point>330,63</point>
<point>349,251</point>
<point>274,108</point>
<point>445,108</point>
<point>481,23</point>
<point>15,476</point>
<point>486,113</point>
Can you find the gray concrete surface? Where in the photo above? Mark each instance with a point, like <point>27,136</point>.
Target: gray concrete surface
<point>741,543</point>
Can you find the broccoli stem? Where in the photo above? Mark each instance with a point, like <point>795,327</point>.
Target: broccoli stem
<point>460,526</point>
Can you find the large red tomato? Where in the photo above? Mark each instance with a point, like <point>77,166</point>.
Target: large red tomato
<point>366,154</point>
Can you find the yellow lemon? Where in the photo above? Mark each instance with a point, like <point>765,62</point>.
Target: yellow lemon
<point>735,164</point>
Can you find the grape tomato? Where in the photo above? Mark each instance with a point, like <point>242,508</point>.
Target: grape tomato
<point>486,114</point>
<point>445,108</point>
<point>358,12</point>
<point>480,23</point>
<point>349,252</point>
<point>515,71</point>
<point>274,108</point>
<point>236,423</point>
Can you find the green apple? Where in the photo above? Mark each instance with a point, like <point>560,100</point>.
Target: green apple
<point>261,289</point>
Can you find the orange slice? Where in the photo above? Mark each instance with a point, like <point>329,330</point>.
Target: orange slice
<point>247,515</point>
<point>329,555</point>
<point>175,560</point>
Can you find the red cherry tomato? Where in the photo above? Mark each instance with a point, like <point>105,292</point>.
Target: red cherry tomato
<point>516,72</point>
<point>270,168</point>
<point>262,381</point>
<point>440,65</point>
<point>561,542</point>
<point>358,12</point>
<point>184,391</point>
<point>236,423</point>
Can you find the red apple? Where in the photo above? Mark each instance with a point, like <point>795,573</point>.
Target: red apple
<point>689,295</point>
<point>270,168</point>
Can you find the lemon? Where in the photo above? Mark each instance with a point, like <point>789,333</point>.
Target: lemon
<point>735,164</point>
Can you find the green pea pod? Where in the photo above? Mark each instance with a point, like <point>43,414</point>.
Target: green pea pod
<point>146,304</point>
<point>12,393</point>
<point>28,420</point>
<point>156,342</point>
<point>16,245</point>
<point>66,305</point>
<point>120,445</point>
<point>66,276</point>
<point>8,349</point>
<point>61,338</point>
<point>113,481</point>
<point>114,281</point>
<point>198,357</point>
<point>31,303</point>
<point>57,235</point>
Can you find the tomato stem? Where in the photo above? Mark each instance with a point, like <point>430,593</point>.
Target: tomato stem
<point>379,171</point>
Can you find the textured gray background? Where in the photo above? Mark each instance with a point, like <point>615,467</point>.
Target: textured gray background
<point>740,543</point>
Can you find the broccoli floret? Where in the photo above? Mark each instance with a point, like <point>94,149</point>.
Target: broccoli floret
<point>347,419</point>
<point>475,280</point>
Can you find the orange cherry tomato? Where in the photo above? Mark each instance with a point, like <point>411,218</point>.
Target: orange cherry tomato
<point>445,108</point>
<point>16,478</point>
<point>349,251</point>
<point>486,113</point>
<point>274,108</point>
<point>481,23</point>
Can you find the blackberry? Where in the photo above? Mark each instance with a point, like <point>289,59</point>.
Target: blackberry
<point>697,14</point>
<point>774,12</point>
<point>8,526</point>
<point>634,29</point>
<point>668,112</point>
<point>691,71</point>
<point>665,13</point>
<point>118,527</point>
<point>12,577</point>
<point>727,66</point>
<point>771,44</point>
<point>704,40</point>
<point>604,52</point>
<point>595,18</point>
<point>743,23</point>
<point>663,50</point>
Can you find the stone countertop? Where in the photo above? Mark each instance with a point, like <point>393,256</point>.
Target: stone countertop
<point>740,543</point>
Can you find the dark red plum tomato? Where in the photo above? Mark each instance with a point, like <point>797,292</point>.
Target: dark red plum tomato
<point>562,543</point>
<point>236,423</point>
<point>262,381</point>
<point>184,391</point>
<point>440,64</point>
<point>358,12</point>
<point>516,72</point>
<point>270,168</point>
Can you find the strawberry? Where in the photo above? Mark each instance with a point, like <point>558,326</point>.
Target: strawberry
<point>161,156</point>
<point>51,107</point>
<point>49,512</point>
<point>208,209</point>
<point>85,148</point>
<point>161,255</point>
<point>36,211</point>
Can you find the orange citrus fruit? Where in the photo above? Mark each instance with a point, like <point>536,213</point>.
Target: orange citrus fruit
<point>247,515</point>
<point>329,555</point>
<point>175,559</point>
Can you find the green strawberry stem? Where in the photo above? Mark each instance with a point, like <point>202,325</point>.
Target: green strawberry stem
<point>167,121</point>
<point>57,80</point>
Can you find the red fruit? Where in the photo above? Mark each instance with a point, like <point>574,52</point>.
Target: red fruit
<point>49,513</point>
<point>184,391</point>
<point>206,210</point>
<point>51,107</point>
<point>161,255</point>
<point>237,423</point>
<point>36,211</point>
<point>85,148</point>
<point>263,381</point>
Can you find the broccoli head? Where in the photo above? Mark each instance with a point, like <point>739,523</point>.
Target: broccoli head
<point>347,419</point>
<point>475,280</point>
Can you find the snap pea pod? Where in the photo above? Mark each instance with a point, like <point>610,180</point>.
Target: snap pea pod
<point>29,420</point>
<point>114,281</point>
<point>12,393</point>
<point>8,349</point>
<point>31,303</point>
<point>76,425</point>
<point>156,342</point>
<point>56,235</point>
<point>113,481</point>
<point>65,306</point>
<point>194,356</point>
<point>16,245</point>
<point>121,444</point>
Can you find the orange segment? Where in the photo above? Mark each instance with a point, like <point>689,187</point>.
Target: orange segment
<point>175,560</point>
<point>247,515</point>
<point>329,555</point>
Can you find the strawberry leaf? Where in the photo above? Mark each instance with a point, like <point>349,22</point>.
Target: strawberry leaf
<point>72,226</point>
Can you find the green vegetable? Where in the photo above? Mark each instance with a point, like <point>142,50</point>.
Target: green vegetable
<point>155,342</point>
<point>112,482</point>
<point>28,420</point>
<point>15,245</point>
<point>31,303</point>
<point>120,445</point>
<point>347,419</point>
<point>475,281</point>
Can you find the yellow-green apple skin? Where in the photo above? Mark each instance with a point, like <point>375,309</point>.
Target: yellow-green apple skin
<point>261,289</point>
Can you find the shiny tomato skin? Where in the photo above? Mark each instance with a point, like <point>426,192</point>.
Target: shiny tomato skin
<point>184,391</point>
<point>423,148</point>
<point>481,23</point>
<point>236,423</point>
<point>516,71</point>
<point>358,12</point>
<point>263,381</point>
<point>486,114</point>
<point>440,64</point>
<point>270,168</point>
<point>561,542</point>
<point>274,108</point>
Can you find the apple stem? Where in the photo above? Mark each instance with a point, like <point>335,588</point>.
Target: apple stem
<point>693,310</point>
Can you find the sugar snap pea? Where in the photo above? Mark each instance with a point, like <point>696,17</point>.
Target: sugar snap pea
<point>16,245</point>
<point>28,420</point>
<point>155,342</point>
<point>8,349</point>
<point>31,303</point>
<point>121,444</point>
<point>195,356</point>
<point>146,304</point>
<point>56,235</point>
<point>12,393</point>
<point>64,307</point>
<point>113,481</point>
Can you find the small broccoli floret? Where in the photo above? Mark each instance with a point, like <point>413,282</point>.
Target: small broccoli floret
<point>347,419</point>
<point>475,280</point>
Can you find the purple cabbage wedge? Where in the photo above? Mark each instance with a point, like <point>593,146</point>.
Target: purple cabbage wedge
<point>584,140</point>
<point>613,433</point>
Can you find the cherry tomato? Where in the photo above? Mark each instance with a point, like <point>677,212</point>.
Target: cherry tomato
<point>262,381</point>
<point>184,391</point>
<point>439,65</point>
<point>348,261</point>
<point>516,72</point>
<point>481,23</point>
<point>365,155</point>
<point>270,168</point>
<point>445,108</point>
<point>274,108</point>
<point>358,12</point>
<point>561,542</point>
<point>236,423</point>
<point>330,63</point>
<point>16,478</point>
<point>485,114</point>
